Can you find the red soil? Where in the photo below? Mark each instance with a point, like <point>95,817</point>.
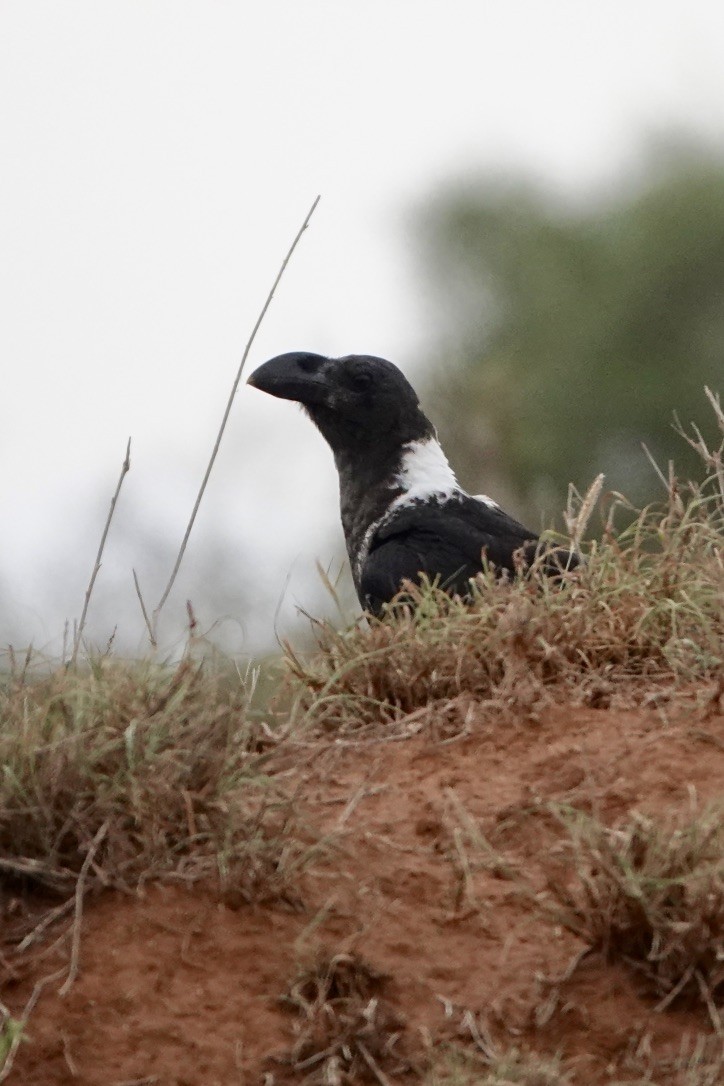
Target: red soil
<point>175,988</point>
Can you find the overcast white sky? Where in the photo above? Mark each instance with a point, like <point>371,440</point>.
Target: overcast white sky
<point>157,159</point>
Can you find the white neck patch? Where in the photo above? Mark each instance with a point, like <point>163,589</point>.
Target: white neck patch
<point>425,473</point>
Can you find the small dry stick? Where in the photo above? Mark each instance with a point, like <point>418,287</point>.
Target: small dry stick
<point>679,987</point>
<point>48,919</point>
<point>654,465</point>
<point>146,619</point>
<point>79,891</point>
<point>372,1064</point>
<point>193,624</point>
<point>710,1006</point>
<point>22,1023</point>
<point>125,467</point>
<point>224,420</point>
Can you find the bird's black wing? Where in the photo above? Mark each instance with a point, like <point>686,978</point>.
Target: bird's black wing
<point>445,541</point>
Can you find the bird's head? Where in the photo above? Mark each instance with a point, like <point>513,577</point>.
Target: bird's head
<point>357,401</point>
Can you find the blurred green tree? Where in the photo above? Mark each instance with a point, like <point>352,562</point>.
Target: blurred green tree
<point>569,335</point>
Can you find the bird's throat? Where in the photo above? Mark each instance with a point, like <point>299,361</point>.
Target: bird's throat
<point>372,489</point>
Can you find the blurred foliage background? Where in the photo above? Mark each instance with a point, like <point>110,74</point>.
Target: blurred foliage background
<point>570,333</point>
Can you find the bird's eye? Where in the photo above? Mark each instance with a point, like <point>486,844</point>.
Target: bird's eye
<point>361,379</point>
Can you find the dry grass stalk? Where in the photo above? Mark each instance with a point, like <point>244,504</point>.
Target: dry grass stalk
<point>713,458</point>
<point>652,895</point>
<point>79,892</point>
<point>153,624</point>
<point>471,851</point>
<point>125,468</point>
<point>580,510</point>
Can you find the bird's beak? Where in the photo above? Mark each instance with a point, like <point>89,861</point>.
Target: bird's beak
<point>295,376</point>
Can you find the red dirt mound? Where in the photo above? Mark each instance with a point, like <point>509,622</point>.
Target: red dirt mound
<point>433,864</point>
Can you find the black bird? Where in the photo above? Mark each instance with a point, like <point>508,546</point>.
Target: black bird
<point>403,511</point>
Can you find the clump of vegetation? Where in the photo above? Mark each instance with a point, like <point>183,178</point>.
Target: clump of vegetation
<point>647,605</point>
<point>513,1068</point>
<point>347,1031</point>
<point>651,894</point>
<point>135,771</point>
<point>700,1062</point>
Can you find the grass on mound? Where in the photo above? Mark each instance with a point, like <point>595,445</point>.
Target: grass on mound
<point>131,771</point>
<point>651,894</point>
<point>514,1068</point>
<point>647,604</point>
<point>699,1064</point>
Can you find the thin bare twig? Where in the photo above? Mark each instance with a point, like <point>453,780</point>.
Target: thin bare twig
<point>710,1006</point>
<point>654,465</point>
<point>55,877</point>
<point>146,619</point>
<point>671,996</point>
<point>48,919</point>
<point>372,1064</point>
<point>224,420</point>
<point>79,891</point>
<point>125,468</point>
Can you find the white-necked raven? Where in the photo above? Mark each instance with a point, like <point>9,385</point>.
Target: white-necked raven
<point>403,511</point>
